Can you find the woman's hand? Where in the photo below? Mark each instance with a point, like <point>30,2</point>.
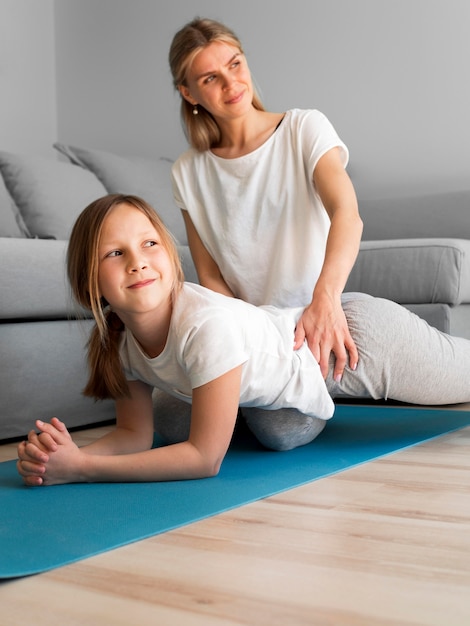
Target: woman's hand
<point>324,326</point>
<point>323,322</point>
<point>50,457</point>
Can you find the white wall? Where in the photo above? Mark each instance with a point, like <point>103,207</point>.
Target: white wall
<point>390,74</point>
<point>28,104</point>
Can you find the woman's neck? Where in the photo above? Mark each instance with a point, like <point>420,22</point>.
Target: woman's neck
<point>246,134</point>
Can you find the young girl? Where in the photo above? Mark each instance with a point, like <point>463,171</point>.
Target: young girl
<point>216,353</point>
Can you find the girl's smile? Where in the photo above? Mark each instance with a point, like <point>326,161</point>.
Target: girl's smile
<point>135,273</point>
<point>142,283</point>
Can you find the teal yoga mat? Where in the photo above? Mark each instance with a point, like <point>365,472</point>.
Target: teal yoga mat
<point>47,527</point>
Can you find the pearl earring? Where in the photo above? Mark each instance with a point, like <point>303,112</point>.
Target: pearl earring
<point>195,110</point>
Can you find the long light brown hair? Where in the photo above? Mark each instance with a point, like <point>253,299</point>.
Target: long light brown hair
<point>201,130</point>
<point>106,376</point>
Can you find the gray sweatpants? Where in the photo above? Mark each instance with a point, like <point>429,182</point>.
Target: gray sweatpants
<point>401,357</point>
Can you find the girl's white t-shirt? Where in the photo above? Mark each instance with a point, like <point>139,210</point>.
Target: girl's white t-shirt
<point>259,215</point>
<point>210,334</point>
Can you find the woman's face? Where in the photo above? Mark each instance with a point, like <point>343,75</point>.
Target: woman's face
<point>219,80</point>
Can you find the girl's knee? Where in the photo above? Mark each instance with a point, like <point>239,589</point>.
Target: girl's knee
<point>282,429</point>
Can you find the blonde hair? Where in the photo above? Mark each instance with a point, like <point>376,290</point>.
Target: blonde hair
<point>106,377</point>
<point>201,130</point>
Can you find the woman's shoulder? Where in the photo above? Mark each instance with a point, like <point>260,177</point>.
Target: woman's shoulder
<point>183,158</point>
<point>188,158</point>
<point>312,128</point>
<point>295,116</point>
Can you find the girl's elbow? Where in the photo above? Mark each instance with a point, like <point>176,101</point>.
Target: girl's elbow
<point>206,460</point>
<point>211,467</point>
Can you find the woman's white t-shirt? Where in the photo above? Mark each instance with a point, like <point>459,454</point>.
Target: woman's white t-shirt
<point>259,215</point>
<point>210,334</point>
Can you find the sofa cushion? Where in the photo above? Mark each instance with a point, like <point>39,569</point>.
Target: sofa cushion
<point>437,314</point>
<point>48,193</point>
<point>414,271</point>
<point>148,178</point>
<point>11,222</point>
<point>36,283</point>
<point>459,321</point>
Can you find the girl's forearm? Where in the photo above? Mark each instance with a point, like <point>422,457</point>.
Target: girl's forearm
<point>120,441</point>
<point>182,461</point>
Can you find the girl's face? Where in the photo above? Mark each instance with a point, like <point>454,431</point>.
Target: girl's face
<point>220,81</point>
<point>135,273</point>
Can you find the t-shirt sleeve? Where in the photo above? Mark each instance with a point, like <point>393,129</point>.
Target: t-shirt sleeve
<point>178,180</point>
<point>176,191</point>
<point>318,136</point>
<point>214,348</point>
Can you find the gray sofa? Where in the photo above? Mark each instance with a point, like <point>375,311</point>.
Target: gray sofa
<point>416,251</point>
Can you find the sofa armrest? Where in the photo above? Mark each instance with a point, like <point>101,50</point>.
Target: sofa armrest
<point>414,271</point>
<point>33,280</point>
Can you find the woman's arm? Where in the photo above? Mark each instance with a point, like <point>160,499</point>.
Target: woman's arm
<point>323,323</point>
<point>118,457</point>
<point>207,269</point>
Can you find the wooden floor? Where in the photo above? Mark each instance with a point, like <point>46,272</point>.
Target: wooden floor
<point>387,542</point>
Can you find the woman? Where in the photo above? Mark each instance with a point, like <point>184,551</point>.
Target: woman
<point>270,211</point>
<point>214,352</point>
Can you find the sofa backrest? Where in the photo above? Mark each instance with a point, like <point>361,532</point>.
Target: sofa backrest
<point>11,222</point>
<point>41,197</point>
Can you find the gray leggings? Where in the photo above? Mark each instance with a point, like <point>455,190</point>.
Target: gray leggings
<point>401,358</point>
